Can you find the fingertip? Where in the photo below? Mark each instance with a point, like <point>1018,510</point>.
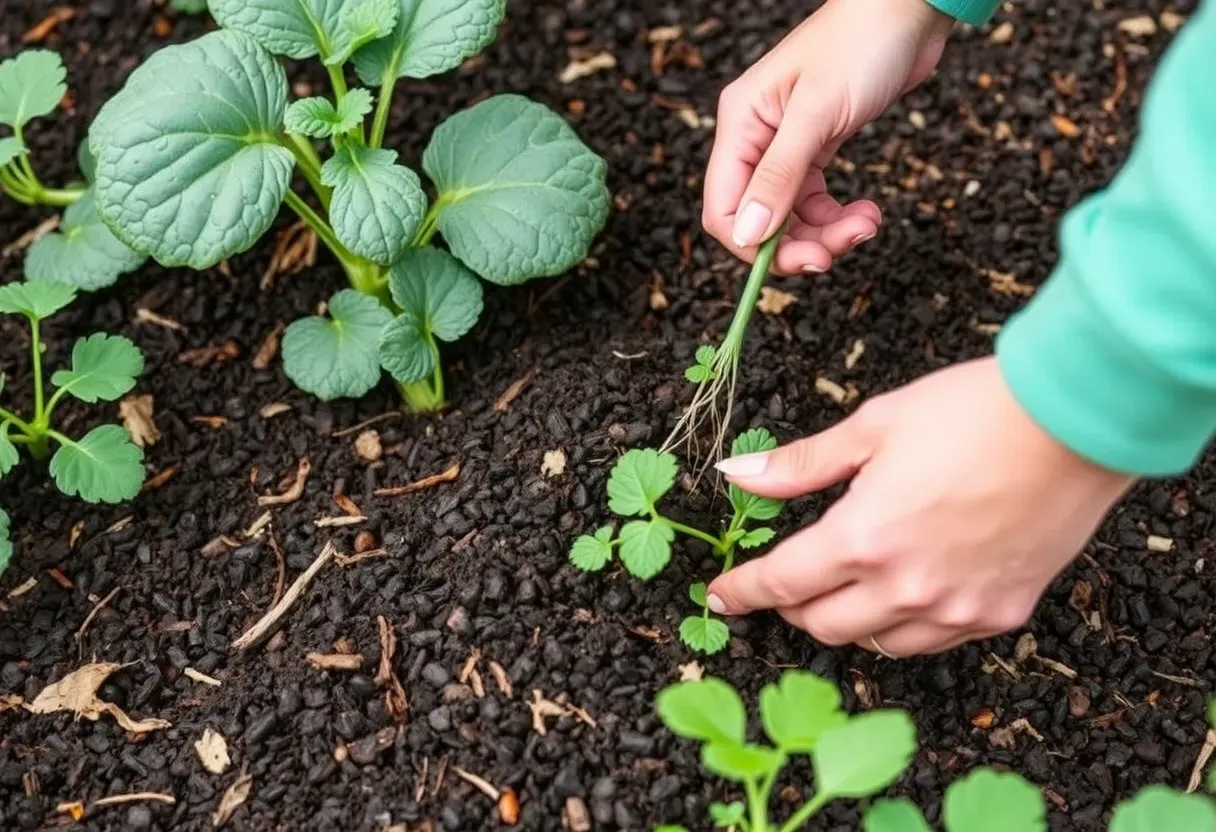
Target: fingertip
<point>801,257</point>
<point>868,209</point>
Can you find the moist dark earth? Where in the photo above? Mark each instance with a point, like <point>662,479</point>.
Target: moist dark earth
<point>972,170</point>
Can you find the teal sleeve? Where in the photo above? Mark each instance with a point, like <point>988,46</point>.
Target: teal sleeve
<point>1116,355</point>
<point>975,12</point>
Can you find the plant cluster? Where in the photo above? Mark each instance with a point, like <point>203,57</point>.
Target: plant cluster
<point>859,756</point>
<point>640,478</point>
<point>103,466</point>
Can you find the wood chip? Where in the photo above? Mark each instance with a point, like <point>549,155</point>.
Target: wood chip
<point>1156,543</point>
<point>854,354</point>
<point>665,34</point>
<point>386,675</point>
<point>543,709</point>
<point>1205,754</point>
<point>480,783</point>
<point>269,349</point>
<point>233,798</point>
<point>77,692</point>
<point>295,249</point>
<point>137,417</point>
<point>1065,126</point>
<point>335,661</point>
<point>449,475</point>
<point>554,463</point>
<point>838,394</point>
<point>136,797</point>
<point>774,301</point>
<point>24,587</point>
<point>1003,33</point>
<point>1178,680</point>
<point>581,69</point>
<point>1171,21</point>
<point>511,393</point>
<point>691,672</point>
<point>368,446</point>
<point>274,409</point>
<point>213,354</point>
<point>338,522</point>
<point>1140,26</point>
<point>43,28</point>
<point>502,679</point>
<point>147,316</point>
<point>348,505</point>
<point>575,817</point>
<point>212,751</point>
<point>30,237</point>
<point>273,619</point>
<point>294,491</point>
<point>160,478</point>
<point>213,422</point>
<point>74,809</point>
<point>201,677</point>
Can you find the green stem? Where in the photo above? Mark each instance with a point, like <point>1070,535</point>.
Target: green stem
<point>22,425</point>
<point>36,360</point>
<point>384,106</point>
<point>370,279</point>
<point>804,814</point>
<point>751,293</point>
<point>430,225</point>
<point>697,533</point>
<point>310,165</point>
<point>757,806</point>
<point>50,406</point>
<point>14,185</point>
<point>59,197</point>
<point>339,83</point>
<point>421,396</point>
<point>320,226</point>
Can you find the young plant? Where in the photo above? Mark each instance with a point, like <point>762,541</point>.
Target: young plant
<point>853,757</point>
<point>103,466</point>
<point>640,478</point>
<point>198,151</point>
<point>84,252</point>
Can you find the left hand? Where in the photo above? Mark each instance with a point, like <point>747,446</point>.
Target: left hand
<point>961,510</point>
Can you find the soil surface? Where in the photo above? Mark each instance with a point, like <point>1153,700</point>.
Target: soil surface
<point>973,171</point>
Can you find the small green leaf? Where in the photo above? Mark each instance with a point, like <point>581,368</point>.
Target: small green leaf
<point>6,541</point>
<point>705,355</point>
<point>8,451</point>
<point>707,711</point>
<point>35,300</point>
<point>1161,809</point>
<point>337,357</point>
<point>377,204</point>
<point>754,441</point>
<point>646,547</point>
<point>705,634</point>
<point>431,36</point>
<point>639,479</point>
<point>190,168</point>
<point>104,368</point>
<point>696,593</point>
<point>103,467</point>
<point>318,118</point>
<point>861,757</point>
<point>591,553</point>
<point>727,814</point>
<point>31,86</point>
<point>439,298</point>
<point>520,195</point>
<point>295,28</point>
<point>360,23</point>
<point>798,709</point>
<point>703,369</point>
<point>896,816</point>
<point>989,801</point>
<point>84,252</point>
<point>756,538</point>
<point>697,374</point>
<point>739,762</point>
<point>10,148</point>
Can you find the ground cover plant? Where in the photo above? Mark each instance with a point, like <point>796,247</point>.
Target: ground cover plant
<point>640,478</point>
<point>103,466</point>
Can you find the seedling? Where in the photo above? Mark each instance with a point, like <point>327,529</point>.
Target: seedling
<point>103,466</point>
<point>638,481</point>
<point>197,153</point>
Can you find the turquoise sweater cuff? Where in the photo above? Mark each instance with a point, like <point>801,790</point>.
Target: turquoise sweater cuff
<point>975,12</point>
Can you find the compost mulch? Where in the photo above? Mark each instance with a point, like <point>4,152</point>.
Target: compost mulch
<point>515,668</point>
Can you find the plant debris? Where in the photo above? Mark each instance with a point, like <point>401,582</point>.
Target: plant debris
<point>212,751</point>
<point>77,692</point>
<point>449,475</point>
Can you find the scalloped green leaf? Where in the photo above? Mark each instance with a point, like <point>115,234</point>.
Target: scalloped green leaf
<point>519,194</point>
<point>639,479</point>
<point>749,506</point>
<point>706,711</point>
<point>706,634</point>
<point>377,204</point>
<point>6,541</point>
<point>756,538</point>
<point>8,451</point>
<point>991,801</point>
<point>727,814</point>
<point>739,761</point>
<point>361,22</point>
<point>899,815</point>
<point>83,253</point>
<point>798,709</point>
<point>697,593</point>
<point>318,118</point>
<point>103,467</point>
<point>337,357</point>
<point>295,28</point>
<point>104,368</point>
<point>1161,809</point>
<point>10,148</point>
<point>35,300</point>
<point>591,553</point>
<point>646,547</point>
<point>754,441</point>
<point>864,755</point>
<point>189,164</point>
<point>31,86</point>
<point>431,36</point>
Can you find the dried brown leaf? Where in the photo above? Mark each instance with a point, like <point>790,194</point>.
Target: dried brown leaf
<point>212,354</point>
<point>269,349</point>
<point>77,692</point>
<point>212,751</point>
<point>774,301</point>
<point>137,414</point>
<point>233,798</point>
<point>554,463</point>
<point>449,475</point>
<point>512,393</point>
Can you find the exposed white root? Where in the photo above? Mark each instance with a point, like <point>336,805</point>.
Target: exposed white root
<point>712,397</point>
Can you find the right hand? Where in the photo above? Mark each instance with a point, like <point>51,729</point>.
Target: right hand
<point>780,124</point>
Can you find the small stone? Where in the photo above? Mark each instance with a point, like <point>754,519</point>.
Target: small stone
<point>365,541</point>
<point>435,675</point>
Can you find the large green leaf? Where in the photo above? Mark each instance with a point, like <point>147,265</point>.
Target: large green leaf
<point>35,300</point>
<point>6,541</point>
<point>360,23</point>
<point>1161,809</point>
<point>104,368</point>
<point>520,195</point>
<point>739,761</point>
<point>189,165</point>
<point>639,479</point>
<point>895,816</point>
<point>338,356</point>
<point>431,36</point>
<point>8,451</point>
<point>990,801</point>
<point>707,711</point>
<point>83,253</point>
<point>319,118</point>
<point>861,757</point>
<point>798,709</point>
<point>295,28</point>
<point>439,299</point>
<point>377,204</point>
<point>646,547</point>
<point>103,467</point>
<point>31,86</point>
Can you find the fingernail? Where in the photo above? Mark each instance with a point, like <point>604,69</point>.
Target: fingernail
<point>861,238</point>
<point>811,268</point>
<point>748,465</point>
<point>751,224</point>
<point>715,605</point>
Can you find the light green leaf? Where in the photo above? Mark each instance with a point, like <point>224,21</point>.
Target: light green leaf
<point>189,6</point>
<point>31,86</point>
<point>861,757</point>
<point>360,23</point>
<point>896,816</point>
<point>406,351</point>
<point>431,36</point>
<point>697,374</point>
<point>739,762</point>
<point>35,300</point>
<point>591,553</point>
<point>10,148</point>
<point>295,28</point>
<point>756,538</point>
<point>703,369</point>
<point>639,479</point>
<point>103,467</point>
<point>708,635</point>
<point>8,451</point>
<point>1161,809</point>
<point>697,592</point>
<point>189,165</point>
<point>727,814</point>
<point>104,368</point>
<point>989,801</point>
<point>85,160</point>
<point>646,547</point>
<point>318,118</point>
<point>6,541</point>
<point>520,195</point>
<point>707,711</point>
<point>749,506</point>
<point>798,709</point>
<point>84,252</point>
<point>337,357</point>
<point>377,204</point>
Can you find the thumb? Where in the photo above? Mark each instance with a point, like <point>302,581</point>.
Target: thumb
<point>802,467</point>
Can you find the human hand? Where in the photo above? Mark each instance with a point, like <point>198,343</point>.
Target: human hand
<point>781,122</point>
<point>961,510</point>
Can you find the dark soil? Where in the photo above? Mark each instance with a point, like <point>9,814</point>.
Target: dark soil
<point>479,564</point>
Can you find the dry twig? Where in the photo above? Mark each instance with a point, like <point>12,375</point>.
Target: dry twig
<point>272,620</point>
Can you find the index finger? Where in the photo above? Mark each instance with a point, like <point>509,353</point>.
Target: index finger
<point>740,140</point>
